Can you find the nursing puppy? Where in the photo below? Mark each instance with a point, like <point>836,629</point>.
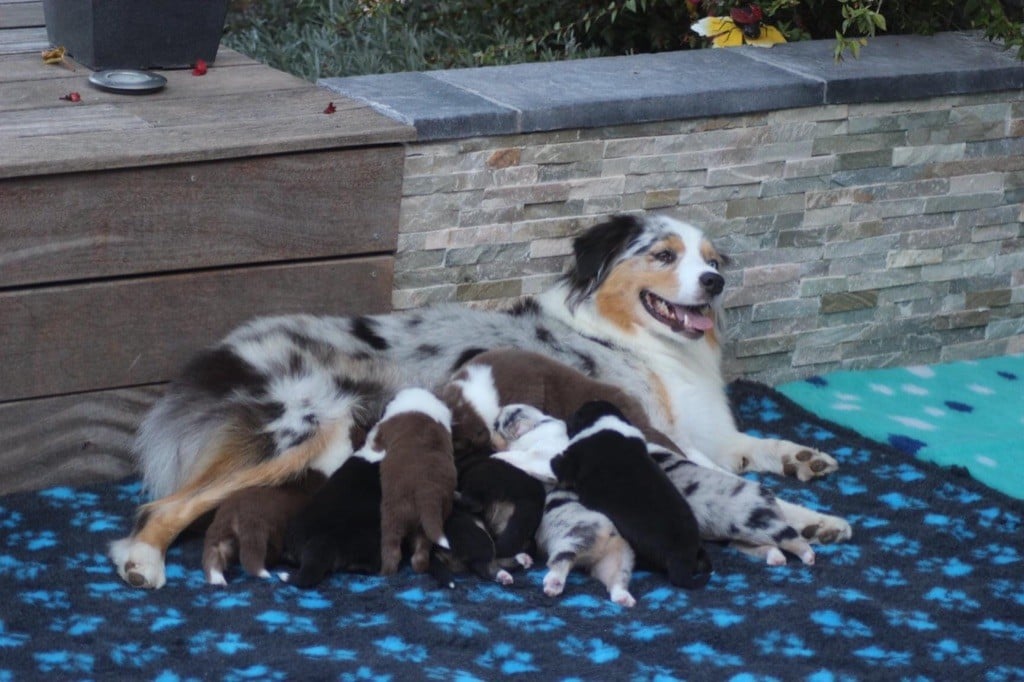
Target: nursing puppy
<point>572,535</point>
<point>510,503</point>
<point>470,548</point>
<point>607,465</point>
<point>250,526</point>
<point>418,476</point>
<point>492,379</point>
<point>339,530</point>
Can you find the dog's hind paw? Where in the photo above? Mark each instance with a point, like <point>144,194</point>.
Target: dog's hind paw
<point>504,577</point>
<point>138,563</point>
<point>622,597</point>
<point>814,527</point>
<point>553,584</point>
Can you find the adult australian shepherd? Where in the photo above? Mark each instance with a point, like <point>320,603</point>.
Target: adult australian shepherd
<point>639,308</point>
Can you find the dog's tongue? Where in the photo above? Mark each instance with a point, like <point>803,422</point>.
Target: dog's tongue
<point>693,321</point>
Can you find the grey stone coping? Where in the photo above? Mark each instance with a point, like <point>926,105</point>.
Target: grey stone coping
<point>678,85</point>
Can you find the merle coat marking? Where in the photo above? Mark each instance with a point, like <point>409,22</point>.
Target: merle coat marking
<point>638,308</point>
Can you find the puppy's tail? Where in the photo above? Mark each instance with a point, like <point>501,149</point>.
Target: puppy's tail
<point>687,571</point>
<point>432,513</point>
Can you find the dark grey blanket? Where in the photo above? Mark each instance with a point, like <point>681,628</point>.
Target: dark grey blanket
<point>930,587</point>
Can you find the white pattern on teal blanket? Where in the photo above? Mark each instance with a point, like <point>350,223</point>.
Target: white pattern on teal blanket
<point>968,414</point>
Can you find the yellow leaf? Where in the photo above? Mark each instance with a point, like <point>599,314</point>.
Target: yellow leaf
<point>769,36</point>
<point>57,55</point>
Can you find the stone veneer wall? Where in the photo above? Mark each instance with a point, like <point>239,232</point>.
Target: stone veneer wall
<point>862,234</point>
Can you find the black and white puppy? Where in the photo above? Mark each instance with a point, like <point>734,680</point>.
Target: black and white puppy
<point>339,530</point>
<point>470,547</point>
<point>510,503</point>
<point>607,465</point>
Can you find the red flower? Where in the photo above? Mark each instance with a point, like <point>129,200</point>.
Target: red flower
<point>330,108</point>
<point>751,14</point>
<point>72,97</point>
<point>200,68</point>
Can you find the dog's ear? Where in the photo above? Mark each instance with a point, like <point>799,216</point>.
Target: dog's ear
<point>596,251</point>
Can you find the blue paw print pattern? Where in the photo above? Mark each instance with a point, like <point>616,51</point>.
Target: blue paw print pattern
<point>929,588</point>
<point>965,414</point>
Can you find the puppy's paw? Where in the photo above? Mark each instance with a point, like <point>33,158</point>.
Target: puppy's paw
<point>524,559</point>
<point>775,557</point>
<point>215,577</point>
<point>138,563</point>
<point>553,584</point>
<point>504,577</point>
<point>622,597</point>
<point>807,463</point>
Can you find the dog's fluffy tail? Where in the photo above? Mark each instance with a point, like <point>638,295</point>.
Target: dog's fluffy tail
<point>261,381</point>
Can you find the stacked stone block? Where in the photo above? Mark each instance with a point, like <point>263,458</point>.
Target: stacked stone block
<point>861,235</point>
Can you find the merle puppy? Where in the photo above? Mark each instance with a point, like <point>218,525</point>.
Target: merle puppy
<point>607,465</point>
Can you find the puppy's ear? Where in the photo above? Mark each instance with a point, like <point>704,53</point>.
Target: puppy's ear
<point>596,251</point>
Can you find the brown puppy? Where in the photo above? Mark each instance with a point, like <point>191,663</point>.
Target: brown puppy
<point>417,476</point>
<point>493,379</point>
<point>249,527</point>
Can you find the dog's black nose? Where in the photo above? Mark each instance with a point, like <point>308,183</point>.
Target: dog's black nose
<point>712,282</point>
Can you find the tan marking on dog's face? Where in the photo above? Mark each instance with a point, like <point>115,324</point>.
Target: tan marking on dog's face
<point>711,254</point>
<point>618,299</point>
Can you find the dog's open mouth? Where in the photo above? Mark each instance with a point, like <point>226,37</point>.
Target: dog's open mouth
<point>690,320</point>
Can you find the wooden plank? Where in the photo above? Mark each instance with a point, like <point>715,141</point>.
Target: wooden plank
<point>202,129</point>
<point>16,40</point>
<point>57,340</point>
<point>251,81</point>
<point>165,218</point>
<point>70,440</point>
<point>21,14</point>
<point>30,67</point>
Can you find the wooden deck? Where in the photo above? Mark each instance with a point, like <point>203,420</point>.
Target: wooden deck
<point>136,229</point>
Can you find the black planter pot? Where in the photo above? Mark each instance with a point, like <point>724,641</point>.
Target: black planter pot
<point>136,34</point>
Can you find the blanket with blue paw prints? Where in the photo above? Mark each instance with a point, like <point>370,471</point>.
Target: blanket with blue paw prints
<point>931,587</point>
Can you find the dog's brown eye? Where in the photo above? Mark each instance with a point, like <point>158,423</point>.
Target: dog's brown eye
<point>665,256</point>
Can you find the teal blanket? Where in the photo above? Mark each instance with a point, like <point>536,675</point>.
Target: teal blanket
<point>962,414</point>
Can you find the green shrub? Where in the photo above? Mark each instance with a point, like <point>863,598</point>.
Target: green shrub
<point>319,38</point>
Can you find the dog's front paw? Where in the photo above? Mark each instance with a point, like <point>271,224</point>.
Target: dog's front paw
<point>806,464</point>
<point>139,564</point>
